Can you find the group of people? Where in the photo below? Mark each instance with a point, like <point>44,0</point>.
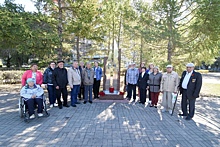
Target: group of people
<point>85,79</point>
<point>81,79</point>
<point>152,81</point>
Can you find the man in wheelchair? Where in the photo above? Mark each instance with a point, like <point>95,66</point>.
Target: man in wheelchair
<point>32,94</point>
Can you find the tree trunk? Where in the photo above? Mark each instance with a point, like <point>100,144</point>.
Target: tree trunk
<point>119,54</point>
<point>77,49</point>
<point>113,39</point>
<point>141,50</point>
<point>169,48</point>
<point>8,61</point>
<point>104,73</point>
<point>60,32</point>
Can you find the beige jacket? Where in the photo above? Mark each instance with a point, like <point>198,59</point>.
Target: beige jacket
<point>74,77</point>
<point>169,82</point>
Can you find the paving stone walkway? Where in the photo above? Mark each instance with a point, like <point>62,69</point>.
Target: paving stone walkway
<point>110,124</point>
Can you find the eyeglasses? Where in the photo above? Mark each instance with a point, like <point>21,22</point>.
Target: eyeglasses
<point>188,67</point>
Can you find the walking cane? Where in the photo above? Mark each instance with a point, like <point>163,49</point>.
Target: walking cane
<point>175,103</point>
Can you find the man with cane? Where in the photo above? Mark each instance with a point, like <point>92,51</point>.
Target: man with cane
<point>190,86</point>
<point>168,86</point>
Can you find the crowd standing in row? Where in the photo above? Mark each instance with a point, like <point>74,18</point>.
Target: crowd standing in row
<point>85,79</point>
<point>154,82</point>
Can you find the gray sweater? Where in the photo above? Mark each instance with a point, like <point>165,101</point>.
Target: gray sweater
<point>154,82</point>
<point>88,76</point>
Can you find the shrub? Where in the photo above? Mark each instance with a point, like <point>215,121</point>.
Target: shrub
<point>10,77</point>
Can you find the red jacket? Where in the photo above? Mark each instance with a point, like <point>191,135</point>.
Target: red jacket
<point>28,74</point>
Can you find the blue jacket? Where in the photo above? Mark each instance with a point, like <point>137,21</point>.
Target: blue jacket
<point>48,76</point>
<point>98,73</point>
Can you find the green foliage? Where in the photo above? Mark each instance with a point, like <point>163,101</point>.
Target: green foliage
<point>168,31</point>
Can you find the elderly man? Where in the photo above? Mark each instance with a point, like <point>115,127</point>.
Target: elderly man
<point>59,80</point>
<point>131,81</point>
<point>74,79</point>
<point>190,86</point>
<point>169,85</point>
<point>87,76</point>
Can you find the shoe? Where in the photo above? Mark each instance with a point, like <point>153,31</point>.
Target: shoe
<point>78,103</point>
<point>188,118</point>
<point>73,105</point>
<point>140,102</point>
<point>155,106</point>
<point>51,105</point>
<point>149,102</point>
<point>55,104</point>
<point>40,114</point>
<point>170,111</point>
<point>181,114</point>
<point>84,102</point>
<point>163,110</point>
<point>66,105</point>
<point>151,105</point>
<point>60,107</point>
<point>32,116</point>
<point>90,102</point>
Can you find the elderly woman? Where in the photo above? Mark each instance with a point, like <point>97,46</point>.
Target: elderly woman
<point>154,86</point>
<point>149,71</point>
<point>142,84</point>
<point>32,94</point>
<point>34,74</point>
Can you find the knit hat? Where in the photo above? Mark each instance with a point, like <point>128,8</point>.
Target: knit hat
<point>30,80</point>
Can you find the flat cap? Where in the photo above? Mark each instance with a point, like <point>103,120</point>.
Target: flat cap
<point>190,65</point>
<point>169,66</point>
<point>60,61</point>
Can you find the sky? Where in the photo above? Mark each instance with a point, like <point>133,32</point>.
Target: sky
<point>27,4</point>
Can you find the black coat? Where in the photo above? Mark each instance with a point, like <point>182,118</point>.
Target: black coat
<point>194,85</point>
<point>142,81</point>
<point>60,77</point>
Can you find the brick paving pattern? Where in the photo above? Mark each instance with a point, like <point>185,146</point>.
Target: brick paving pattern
<point>110,124</point>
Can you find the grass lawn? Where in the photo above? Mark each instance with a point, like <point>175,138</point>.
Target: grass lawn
<point>210,89</point>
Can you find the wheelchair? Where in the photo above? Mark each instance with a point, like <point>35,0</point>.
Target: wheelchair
<point>23,109</point>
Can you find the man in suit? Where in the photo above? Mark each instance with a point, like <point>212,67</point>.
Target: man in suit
<point>190,86</point>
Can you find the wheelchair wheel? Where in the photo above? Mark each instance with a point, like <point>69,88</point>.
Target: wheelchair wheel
<point>45,107</point>
<point>21,107</point>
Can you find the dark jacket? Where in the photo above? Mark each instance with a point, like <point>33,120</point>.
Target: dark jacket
<point>142,81</point>
<point>48,76</point>
<point>81,69</point>
<point>60,77</point>
<point>194,85</point>
<point>125,82</point>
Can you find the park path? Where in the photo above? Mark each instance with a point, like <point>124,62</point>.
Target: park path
<point>110,124</point>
